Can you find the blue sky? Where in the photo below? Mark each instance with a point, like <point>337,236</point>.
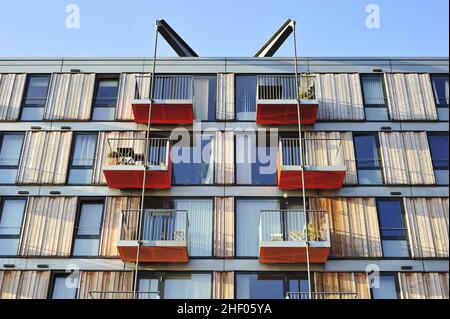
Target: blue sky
<point>116,28</point>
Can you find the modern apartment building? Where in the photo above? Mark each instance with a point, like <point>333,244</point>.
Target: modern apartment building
<point>223,215</point>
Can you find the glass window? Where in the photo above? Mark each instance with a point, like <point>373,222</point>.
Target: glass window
<point>256,162</point>
<point>82,161</point>
<point>247,224</point>
<point>270,286</point>
<point>11,218</point>
<point>205,98</point>
<point>35,97</point>
<point>105,99</point>
<point>439,156</point>
<point>374,98</point>
<point>392,228</point>
<point>194,164</point>
<point>88,230</point>
<point>64,287</point>
<point>200,218</point>
<point>387,288</point>
<point>245,97</point>
<point>368,159</point>
<point>441,89</point>
<point>10,150</point>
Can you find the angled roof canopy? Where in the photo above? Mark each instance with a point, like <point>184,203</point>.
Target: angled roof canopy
<point>275,42</point>
<point>174,40</point>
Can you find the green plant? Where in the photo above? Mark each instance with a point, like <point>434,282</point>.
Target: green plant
<point>311,233</point>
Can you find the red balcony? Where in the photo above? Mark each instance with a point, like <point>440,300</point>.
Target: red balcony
<point>324,166</point>
<point>283,235</point>
<point>172,103</point>
<point>161,235</point>
<point>125,168</point>
<point>276,100</point>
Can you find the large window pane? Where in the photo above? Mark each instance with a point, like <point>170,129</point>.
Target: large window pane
<point>255,164</point>
<point>194,286</point>
<point>441,90</point>
<point>205,98</point>
<point>194,164</point>
<point>35,97</point>
<point>373,90</point>
<point>247,224</point>
<point>11,218</point>
<point>82,160</point>
<point>439,156</point>
<point>387,288</point>
<point>88,230</point>
<point>255,286</point>
<point>105,99</point>
<point>63,288</point>
<point>367,159</point>
<point>200,217</point>
<point>245,97</point>
<point>10,150</point>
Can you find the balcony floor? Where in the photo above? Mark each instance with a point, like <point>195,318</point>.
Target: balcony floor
<point>164,111</point>
<point>168,251</point>
<point>285,111</point>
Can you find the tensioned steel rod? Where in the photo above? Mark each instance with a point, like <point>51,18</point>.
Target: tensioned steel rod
<point>302,164</point>
<point>146,160</point>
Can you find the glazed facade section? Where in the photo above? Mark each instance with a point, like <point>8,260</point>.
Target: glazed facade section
<point>74,152</point>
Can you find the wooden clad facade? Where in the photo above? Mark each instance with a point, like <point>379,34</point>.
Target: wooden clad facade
<point>339,96</point>
<point>11,92</point>
<point>48,226</point>
<point>406,158</point>
<point>347,282</point>
<point>24,284</point>
<point>223,282</point>
<point>410,96</point>
<point>45,158</point>
<point>428,226</point>
<point>105,285</point>
<point>224,157</point>
<point>70,97</point>
<point>424,285</point>
<point>354,227</point>
<point>225,96</point>
<point>224,227</point>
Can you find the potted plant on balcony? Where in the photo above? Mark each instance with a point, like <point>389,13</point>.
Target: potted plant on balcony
<point>111,158</point>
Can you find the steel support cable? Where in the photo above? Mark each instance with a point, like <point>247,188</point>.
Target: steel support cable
<point>146,162</point>
<point>302,164</point>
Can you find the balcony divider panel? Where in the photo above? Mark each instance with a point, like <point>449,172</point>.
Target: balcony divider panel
<point>223,285</point>
<point>346,282</point>
<point>410,96</point>
<point>428,226</point>
<point>406,158</point>
<point>339,97</point>
<point>48,226</point>
<point>70,97</point>
<point>16,284</point>
<point>107,284</point>
<point>11,91</point>
<point>321,153</point>
<point>224,227</point>
<point>224,157</point>
<point>424,285</point>
<point>45,158</point>
<point>98,178</point>
<point>354,228</point>
<point>225,96</point>
<point>112,227</point>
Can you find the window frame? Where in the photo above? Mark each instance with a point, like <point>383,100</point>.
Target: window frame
<point>438,75</point>
<point>2,135</point>
<point>81,202</point>
<point>72,150</point>
<point>393,238</point>
<point>51,289</point>
<point>98,78</point>
<point>396,282</point>
<point>375,106</point>
<point>442,168</point>
<point>25,93</point>
<point>379,159</point>
<point>2,205</point>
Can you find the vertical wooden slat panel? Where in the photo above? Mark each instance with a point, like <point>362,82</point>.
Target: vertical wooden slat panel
<point>410,97</point>
<point>224,157</point>
<point>24,284</point>
<point>225,96</point>
<point>102,151</point>
<point>112,226</point>
<point>393,157</point>
<point>339,96</point>
<point>127,93</point>
<point>105,281</point>
<point>223,285</point>
<point>70,96</point>
<point>11,92</point>
<point>224,227</point>
<point>354,228</point>
<point>428,226</point>
<point>48,226</point>
<point>342,282</point>
<point>45,158</point>
<point>424,285</point>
